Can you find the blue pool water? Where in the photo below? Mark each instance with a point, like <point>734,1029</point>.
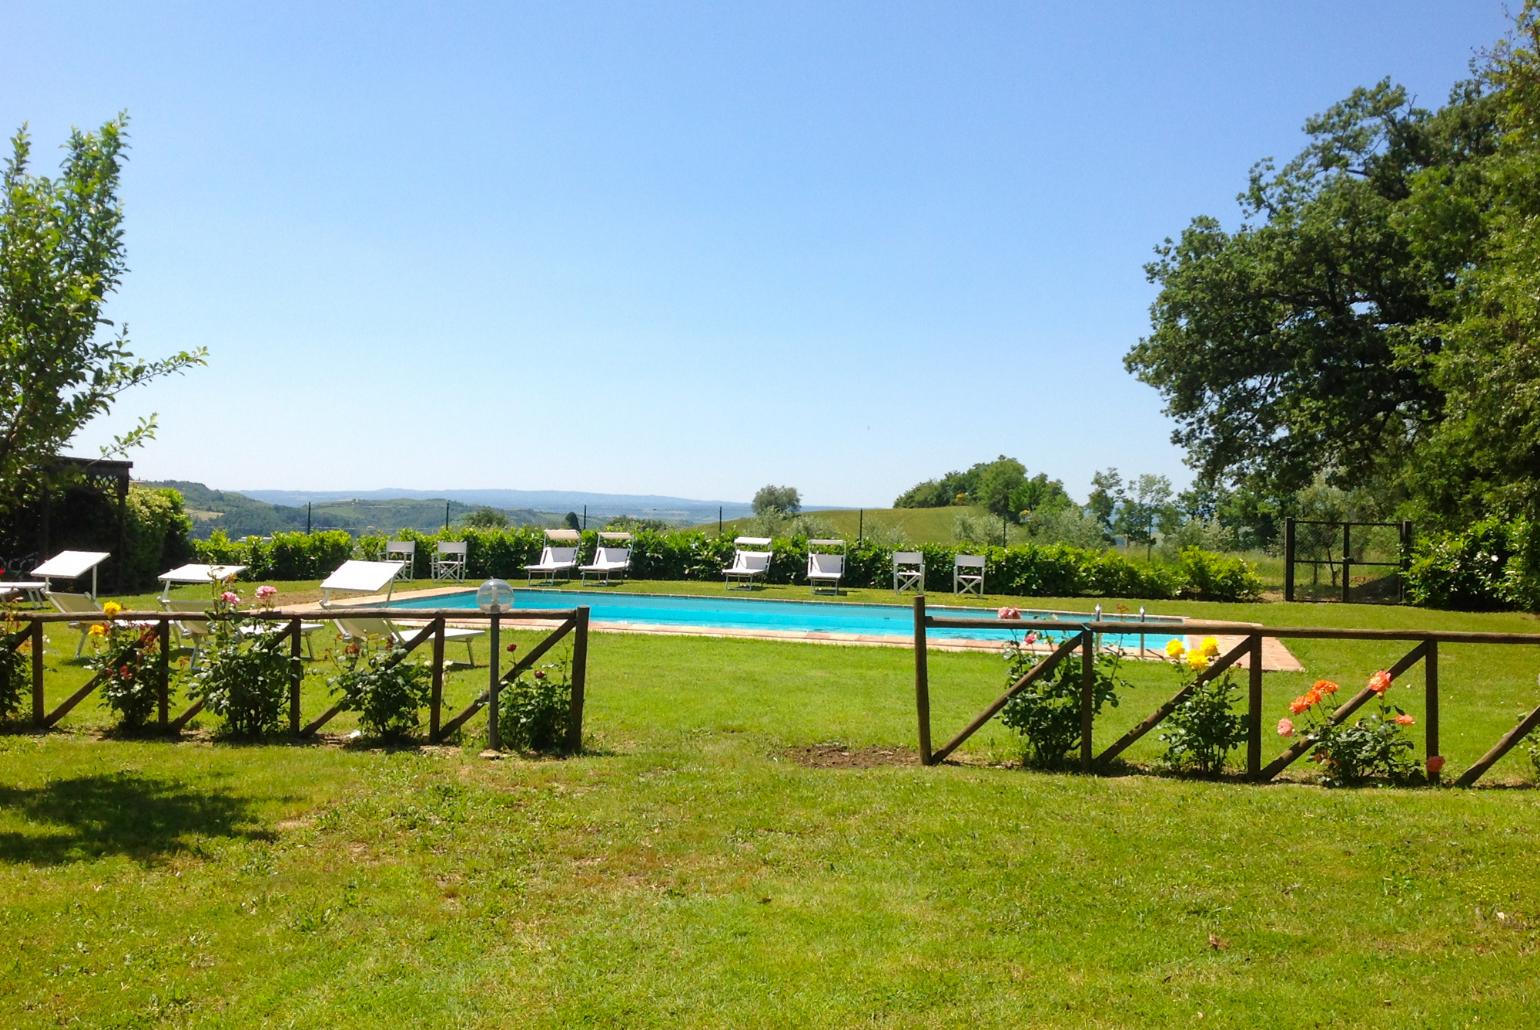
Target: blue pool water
<point>742,613</point>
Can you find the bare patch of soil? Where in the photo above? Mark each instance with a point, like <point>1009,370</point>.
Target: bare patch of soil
<point>841,756</point>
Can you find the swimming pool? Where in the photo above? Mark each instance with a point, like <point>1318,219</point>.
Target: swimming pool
<point>829,619</point>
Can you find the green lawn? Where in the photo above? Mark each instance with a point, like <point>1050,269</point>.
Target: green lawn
<point>748,842</point>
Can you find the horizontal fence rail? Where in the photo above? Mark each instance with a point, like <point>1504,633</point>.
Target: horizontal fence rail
<point>1425,651</point>
<point>289,623</point>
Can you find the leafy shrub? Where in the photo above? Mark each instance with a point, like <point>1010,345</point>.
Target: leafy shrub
<point>535,710</point>
<point>128,660</point>
<point>387,692</point>
<point>1206,576</point>
<point>1374,746</point>
<point>244,678</point>
<point>15,675</point>
<point>1202,731</point>
<point>156,535</point>
<point>1482,568</point>
<point>1047,713</point>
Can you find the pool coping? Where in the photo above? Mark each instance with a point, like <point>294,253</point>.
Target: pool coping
<point>1275,656</point>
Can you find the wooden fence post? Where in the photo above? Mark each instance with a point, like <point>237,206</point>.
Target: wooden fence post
<point>39,717</point>
<point>1288,558</point>
<point>579,681</point>
<point>1087,696</point>
<point>296,675</point>
<point>1430,680</point>
<point>1254,710</point>
<point>163,667</point>
<point>436,697</point>
<point>921,680</point>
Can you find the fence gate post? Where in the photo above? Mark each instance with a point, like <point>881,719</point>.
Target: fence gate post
<point>1087,696</point>
<point>921,680</point>
<point>436,697</point>
<point>296,675</point>
<point>1288,558</point>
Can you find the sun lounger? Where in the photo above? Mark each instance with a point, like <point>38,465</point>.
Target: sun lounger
<point>361,577</point>
<point>361,630</point>
<point>611,559</point>
<point>71,565</point>
<point>751,561</point>
<point>826,567</point>
<point>559,558</point>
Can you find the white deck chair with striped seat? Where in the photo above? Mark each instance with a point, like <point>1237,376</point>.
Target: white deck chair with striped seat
<point>611,558</point>
<point>362,629</point>
<point>826,567</point>
<point>751,561</point>
<point>559,558</point>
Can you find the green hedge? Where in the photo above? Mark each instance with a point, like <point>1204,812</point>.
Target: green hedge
<point>1053,570</point>
<point>1490,566</point>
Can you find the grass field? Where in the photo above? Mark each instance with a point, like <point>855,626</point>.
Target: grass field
<point>747,841</point>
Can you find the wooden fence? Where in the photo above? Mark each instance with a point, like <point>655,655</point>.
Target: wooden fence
<point>289,624</point>
<point>1424,650</point>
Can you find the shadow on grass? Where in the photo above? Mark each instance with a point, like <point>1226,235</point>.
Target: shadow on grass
<point>145,818</point>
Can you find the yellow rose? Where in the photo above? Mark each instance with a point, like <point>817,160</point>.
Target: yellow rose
<point>1210,647</point>
<point>1197,661</point>
<point>1174,648</point>
<point>111,608</point>
<point>97,630</point>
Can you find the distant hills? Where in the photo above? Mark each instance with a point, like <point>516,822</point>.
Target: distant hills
<point>262,512</point>
<point>682,510</point>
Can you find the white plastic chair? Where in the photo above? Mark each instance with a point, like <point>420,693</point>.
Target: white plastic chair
<point>908,571</point>
<point>449,560</point>
<point>748,565</point>
<point>964,579</point>
<point>825,568</point>
<point>404,551</point>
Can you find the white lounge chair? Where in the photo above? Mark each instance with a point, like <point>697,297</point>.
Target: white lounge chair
<point>195,632</point>
<point>196,573</point>
<point>362,629</point>
<point>449,560</point>
<point>85,605</point>
<point>751,560</point>
<point>361,577</point>
<point>968,574</point>
<point>908,571</point>
<point>825,568</point>
<point>405,552</point>
<point>611,558</point>
<point>71,565</point>
<point>559,558</point>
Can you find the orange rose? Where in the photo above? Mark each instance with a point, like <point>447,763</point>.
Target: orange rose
<point>1380,682</point>
<point>1325,687</point>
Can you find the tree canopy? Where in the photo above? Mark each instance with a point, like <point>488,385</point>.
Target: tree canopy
<point>1373,322</point>
<point>1002,486</point>
<point>777,500</point>
<point>62,363</point>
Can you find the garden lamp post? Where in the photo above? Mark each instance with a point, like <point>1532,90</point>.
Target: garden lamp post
<point>493,596</point>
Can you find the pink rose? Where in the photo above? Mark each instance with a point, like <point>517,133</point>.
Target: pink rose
<point>1032,638</point>
<point>1285,727</point>
<point>265,591</point>
<point>1009,613</point>
<point>230,597</point>
<point>1435,764</point>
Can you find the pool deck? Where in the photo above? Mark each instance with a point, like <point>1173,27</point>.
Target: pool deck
<point>1275,656</point>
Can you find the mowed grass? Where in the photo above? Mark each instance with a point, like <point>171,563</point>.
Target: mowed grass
<point>748,842</point>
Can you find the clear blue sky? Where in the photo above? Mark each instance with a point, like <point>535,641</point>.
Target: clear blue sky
<point>671,248</point>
